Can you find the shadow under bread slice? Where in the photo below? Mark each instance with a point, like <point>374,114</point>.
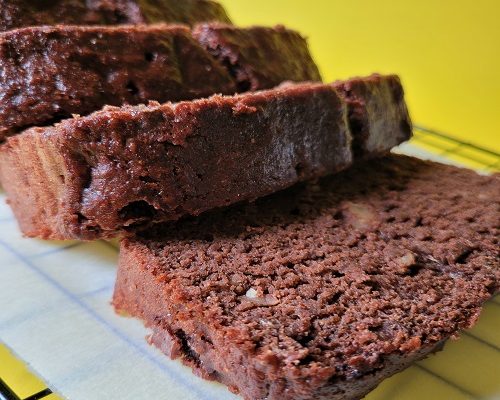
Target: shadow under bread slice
<point>51,73</point>
<point>322,290</point>
<point>21,13</point>
<point>122,168</point>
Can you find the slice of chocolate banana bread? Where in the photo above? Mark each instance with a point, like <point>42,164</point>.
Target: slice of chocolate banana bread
<point>113,170</point>
<point>323,290</point>
<point>20,13</point>
<point>94,176</point>
<point>250,53</point>
<point>50,73</point>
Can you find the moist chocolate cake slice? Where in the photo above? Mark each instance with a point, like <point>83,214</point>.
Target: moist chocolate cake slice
<point>250,54</point>
<point>94,176</point>
<point>20,13</point>
<point>50,73</point>
<point>120,168</point>
<point>323,290</point>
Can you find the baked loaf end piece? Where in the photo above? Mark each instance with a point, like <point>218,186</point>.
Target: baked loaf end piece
<point>323,290</point>
<point>50,73</point>
<point>250,54</point>
<point>19,13</point>
<point>368,99</point>
<point>122,167</point>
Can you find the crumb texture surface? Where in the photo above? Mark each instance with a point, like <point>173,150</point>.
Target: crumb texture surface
<point>323,289</point>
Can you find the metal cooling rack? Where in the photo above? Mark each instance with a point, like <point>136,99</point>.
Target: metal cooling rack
<point>455,150</point>
<point>451,373</point>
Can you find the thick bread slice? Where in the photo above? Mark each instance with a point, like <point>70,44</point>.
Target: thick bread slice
<point>20,13</point>
<point>121,167</point>
<point>50,73</point>
<point>124,167</point>
<point>323,290</point>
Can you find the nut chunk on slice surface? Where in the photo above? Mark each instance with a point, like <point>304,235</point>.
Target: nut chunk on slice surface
<point>322,290</point>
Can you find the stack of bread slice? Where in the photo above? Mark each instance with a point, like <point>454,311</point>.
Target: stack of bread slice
<point>268,237</point>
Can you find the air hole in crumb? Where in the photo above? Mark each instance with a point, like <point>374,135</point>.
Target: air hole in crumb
<point>338,216</point>
<point>303,340</point>
<point>405,126</point>
<point>335,298</point>
<point>187,351</point>
<point>132,88</point>
<point>337,274</point>
<point>206,339</point>
<point>62,179</point>
<point>150,56</point>
<point>374,286</point>
<point>299,169</point>
<point>462,258</point>
<point>390,207</point>
<point>375,328</point>
<point>81,218</point>
<point>306,360</point>
<point>390,219</point>
<point>147,179</point>
<point>413,270</point>
<point>137,209</point>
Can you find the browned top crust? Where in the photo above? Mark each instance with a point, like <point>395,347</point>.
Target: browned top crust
<point>19,13</point>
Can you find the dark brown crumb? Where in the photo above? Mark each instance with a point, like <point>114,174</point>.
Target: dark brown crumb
<point>324,289</point>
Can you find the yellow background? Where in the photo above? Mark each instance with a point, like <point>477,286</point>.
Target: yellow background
<point>447,52</point>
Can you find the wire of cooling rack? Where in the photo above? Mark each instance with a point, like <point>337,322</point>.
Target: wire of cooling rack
<point>450,147</point>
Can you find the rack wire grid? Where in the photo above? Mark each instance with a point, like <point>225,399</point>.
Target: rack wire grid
<point>467,369</point>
